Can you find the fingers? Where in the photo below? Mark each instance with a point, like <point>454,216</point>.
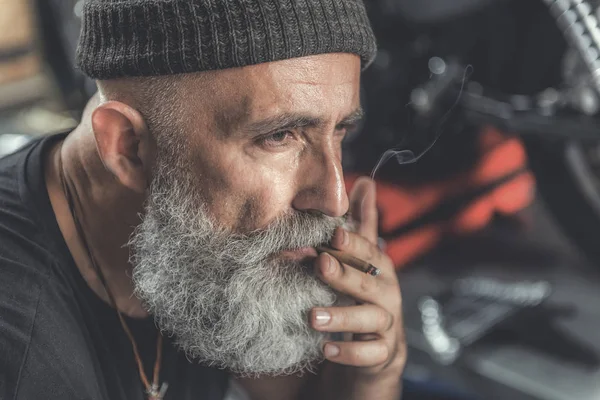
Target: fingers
<point>358,319</point>
<point>358,354</point>
<point>363,208</point>
<point>359,247</point>
<point>361,286</point>
<point>355,245</point>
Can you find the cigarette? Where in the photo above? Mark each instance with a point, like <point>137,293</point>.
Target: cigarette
<point>351,261</point>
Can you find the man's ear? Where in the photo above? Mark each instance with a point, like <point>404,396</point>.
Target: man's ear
<point>125,145</point>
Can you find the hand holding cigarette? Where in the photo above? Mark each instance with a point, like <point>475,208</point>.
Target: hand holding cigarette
<point>377,352</point>
<point>354,262</point>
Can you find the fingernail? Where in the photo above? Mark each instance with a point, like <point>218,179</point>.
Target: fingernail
<point>331,350</point>
<point>328,267</point>
<point>345,238</point>
<point>322,317</point>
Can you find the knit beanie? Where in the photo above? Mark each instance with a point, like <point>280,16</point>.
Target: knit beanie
<point>126,38</point>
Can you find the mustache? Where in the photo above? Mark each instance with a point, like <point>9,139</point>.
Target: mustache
<point>290,231</point>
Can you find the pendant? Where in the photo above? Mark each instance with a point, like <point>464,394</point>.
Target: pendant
<point>155,394</point>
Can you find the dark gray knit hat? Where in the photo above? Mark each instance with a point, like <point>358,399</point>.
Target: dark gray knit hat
<point>162,37</point>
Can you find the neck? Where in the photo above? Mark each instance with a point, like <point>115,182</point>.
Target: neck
<point>107,214</point>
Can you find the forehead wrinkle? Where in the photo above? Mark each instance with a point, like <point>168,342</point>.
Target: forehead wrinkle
<point>229,119</point>
<point>254,93</point>
<point>325,82</point>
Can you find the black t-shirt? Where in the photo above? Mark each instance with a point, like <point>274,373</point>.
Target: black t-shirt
<point>58,340</point>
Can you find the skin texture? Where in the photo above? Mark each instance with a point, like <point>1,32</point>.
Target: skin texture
<point>249,169</point>
<point>302,171</point>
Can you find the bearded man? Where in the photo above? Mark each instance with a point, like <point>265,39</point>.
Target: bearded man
<point>170,238</point>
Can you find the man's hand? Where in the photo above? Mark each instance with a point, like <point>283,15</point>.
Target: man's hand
<point>370,366</point>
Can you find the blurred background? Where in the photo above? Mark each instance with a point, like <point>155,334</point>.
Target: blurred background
<point>482,118</point>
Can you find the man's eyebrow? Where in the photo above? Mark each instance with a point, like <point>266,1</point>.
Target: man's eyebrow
<point>282,122</point>
<point>294,121</point>
<point>352,119</point>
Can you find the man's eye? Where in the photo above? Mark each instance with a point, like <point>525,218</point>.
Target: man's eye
<point>275,139</point>
<point>348,130</point>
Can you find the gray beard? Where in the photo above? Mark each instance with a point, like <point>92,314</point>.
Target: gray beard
<point>228,302</point>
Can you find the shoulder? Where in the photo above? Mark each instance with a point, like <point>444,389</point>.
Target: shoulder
<point>29,243</point>
<point>36,302</point>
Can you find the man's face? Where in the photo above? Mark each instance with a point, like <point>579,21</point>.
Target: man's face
<point>266,139</point>
<point>254,171</point>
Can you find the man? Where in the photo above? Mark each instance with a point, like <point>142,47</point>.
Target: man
<point>189,201</point>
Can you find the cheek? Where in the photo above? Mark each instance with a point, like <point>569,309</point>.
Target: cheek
<point>242,194</point>
<point>265,196</point>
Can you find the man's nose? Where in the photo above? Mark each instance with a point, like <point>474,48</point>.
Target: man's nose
<point>322,187</point>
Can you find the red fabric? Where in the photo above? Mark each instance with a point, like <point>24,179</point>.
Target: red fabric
<point>398,205</point>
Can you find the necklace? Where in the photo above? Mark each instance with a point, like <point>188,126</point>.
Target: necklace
<point>154,391</point>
